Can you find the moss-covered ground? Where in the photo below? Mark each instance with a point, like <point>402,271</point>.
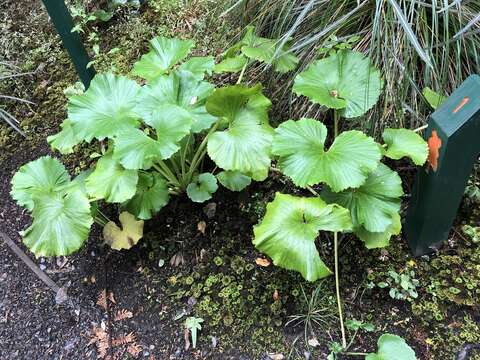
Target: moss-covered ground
<point>179,271</point>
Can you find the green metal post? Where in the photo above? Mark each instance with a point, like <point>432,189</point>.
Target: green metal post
<point>454,146</point>
<point>63,22</point>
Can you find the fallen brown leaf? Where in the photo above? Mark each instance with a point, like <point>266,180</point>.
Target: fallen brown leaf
<point>276,296</point>
<point>122,315</point>
<point>134,349</point>
<point>177,259</point>
<point>124,339</point>
<point>186,336</point>
<point>262,262</point>
<point>102,299</point>
<point>201,226</point>
<point>111,298</point>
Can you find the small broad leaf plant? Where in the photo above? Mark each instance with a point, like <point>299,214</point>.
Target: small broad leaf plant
<point>358,192</point>
<point>153,138</point>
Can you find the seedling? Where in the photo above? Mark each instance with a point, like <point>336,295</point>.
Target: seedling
<point>193,324</point>
<point>402,286</point>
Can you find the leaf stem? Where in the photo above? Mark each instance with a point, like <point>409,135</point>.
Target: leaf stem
<point>201,151</point>
<point>423,127</point>
<point>337,289</point>
<point>170,177</point>
<point>183,155</point>
<point>312,190</point>
<point>242,73</point>
<point>335,124</point>
<point>355,353</point>
<point>100,221</point>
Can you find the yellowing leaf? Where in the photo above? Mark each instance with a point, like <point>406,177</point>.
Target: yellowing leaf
<point>125,238</point>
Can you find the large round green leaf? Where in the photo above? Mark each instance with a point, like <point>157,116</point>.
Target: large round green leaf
<point>105,109</point>
<point>136,150</point>
<point>152,194</point>
<point>392,347</point>
<point>45,175</point>
<point>234,180</point>
<point>403,142</point>
<point>111,181</point>
<point>163,54</point>
<point>178,97</point>
<point>202,188</point>
<point>243,147</point>
<point>374,240</point>
<point>65,140</point>
<point>288,231</point>
<point>345,80</point>
<point>374,204</point>
<point>61,223</point>
<point>231,64</point>
<point>300,147</point>
<point>199,66</point>
<point>245,144</point>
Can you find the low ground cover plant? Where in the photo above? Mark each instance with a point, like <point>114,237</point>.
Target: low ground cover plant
<point>358,193</point>
<point>153,141</point>
<point>155,136</point>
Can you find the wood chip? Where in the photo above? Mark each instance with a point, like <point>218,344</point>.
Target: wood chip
<point>313,342</point>
<point>262,262</point>
<point>276,356</point>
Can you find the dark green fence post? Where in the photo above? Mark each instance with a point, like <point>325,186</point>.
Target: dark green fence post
<point>71,40</point>
<point>454,142</point>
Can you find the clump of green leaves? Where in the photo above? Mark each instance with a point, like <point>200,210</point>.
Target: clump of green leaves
<point>402,286</point>
<point>358,193</point>
<point>152,143</point>
<point>472,232</point>
<point>255,48</point>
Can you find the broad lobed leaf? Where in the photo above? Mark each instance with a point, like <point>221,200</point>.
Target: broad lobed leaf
<point>163,55</point>
<point>245,144</point>
<point>346,81</point>
<point>300,147</point>
<point>392,347</point>
<point>126,236</point>
<point>288,231</point>
<point>61,223</point>
<point>405,143</point>
<point>105,109</point>
<point>111,181</point>
<point>152,194</point>
<point>375,204</point>
<point>45,175</point>
<point>202,188</point>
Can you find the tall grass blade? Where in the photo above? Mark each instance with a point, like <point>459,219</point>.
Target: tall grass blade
<point>409,32</point>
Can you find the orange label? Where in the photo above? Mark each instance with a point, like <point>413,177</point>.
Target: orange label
<point>434,144</point>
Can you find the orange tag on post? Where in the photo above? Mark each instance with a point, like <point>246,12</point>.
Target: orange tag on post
<point>434,144</point>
